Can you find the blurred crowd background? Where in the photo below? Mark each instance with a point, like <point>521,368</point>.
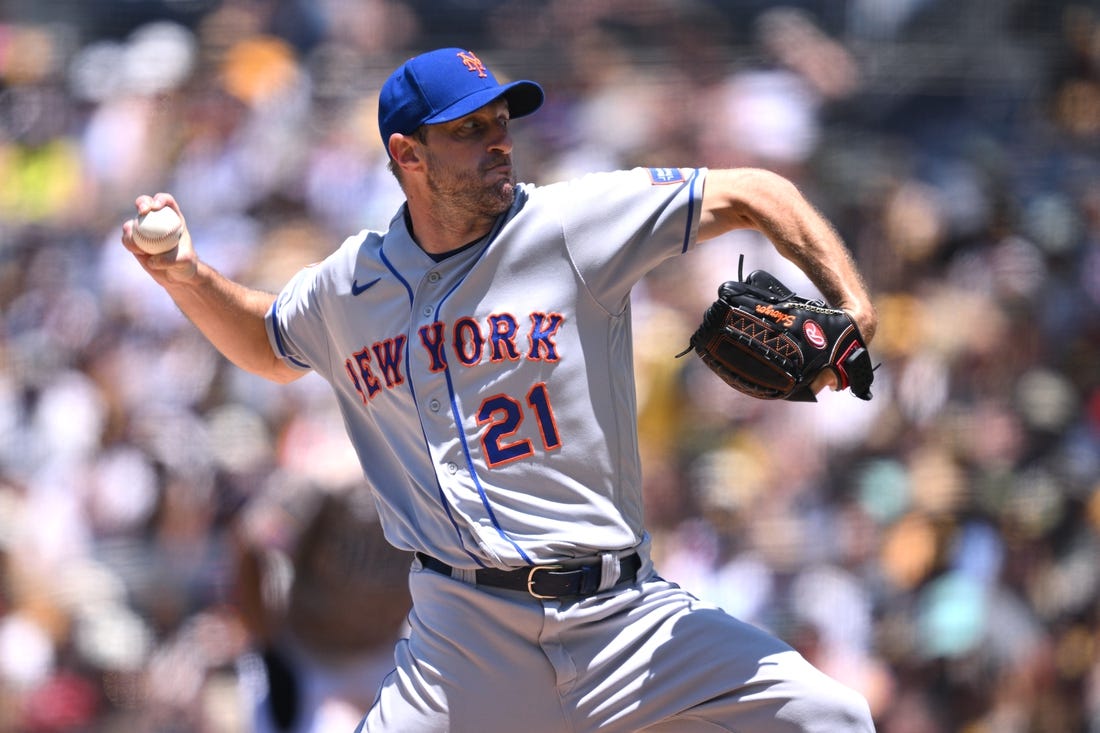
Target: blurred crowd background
<point>937,548</point>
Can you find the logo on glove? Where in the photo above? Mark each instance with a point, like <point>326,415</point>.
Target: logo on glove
<point>783,319</point>
<point>814,334</point>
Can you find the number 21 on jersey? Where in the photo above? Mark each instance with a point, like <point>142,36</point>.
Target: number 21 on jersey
<point>502,415</point>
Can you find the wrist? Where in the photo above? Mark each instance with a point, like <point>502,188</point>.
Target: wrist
<point>866,320</point>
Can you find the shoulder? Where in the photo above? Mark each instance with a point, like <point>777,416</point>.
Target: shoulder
<point>606,190</point>
<point>338,269</point>
<point>637,178</point>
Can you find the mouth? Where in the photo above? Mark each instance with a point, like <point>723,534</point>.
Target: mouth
<point>503,165</point>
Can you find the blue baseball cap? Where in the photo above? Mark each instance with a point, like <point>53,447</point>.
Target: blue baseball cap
<point>443,85</point>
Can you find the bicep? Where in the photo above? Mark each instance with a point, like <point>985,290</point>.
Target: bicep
<point>282,373</point>
<point>745,198</point>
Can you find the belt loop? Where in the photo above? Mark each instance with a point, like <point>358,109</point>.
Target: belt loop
<point>466,575</point>
<point>609,570</point>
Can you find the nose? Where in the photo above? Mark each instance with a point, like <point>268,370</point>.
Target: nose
<point>501,139</point>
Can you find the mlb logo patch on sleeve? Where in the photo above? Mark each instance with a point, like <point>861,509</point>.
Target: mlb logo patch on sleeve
<point>662,176</point>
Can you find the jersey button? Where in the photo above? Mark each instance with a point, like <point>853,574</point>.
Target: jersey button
<point>427,311</point>
<point>452,468</point>
<point>433,277</point>
<point>434,405</point>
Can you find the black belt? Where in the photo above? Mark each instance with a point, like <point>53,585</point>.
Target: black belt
<point>545,581</point>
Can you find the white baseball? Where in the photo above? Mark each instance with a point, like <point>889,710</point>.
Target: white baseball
<point>158,231</point>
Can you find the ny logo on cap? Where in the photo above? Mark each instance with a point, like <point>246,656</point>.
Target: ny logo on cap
<point>472,62</point>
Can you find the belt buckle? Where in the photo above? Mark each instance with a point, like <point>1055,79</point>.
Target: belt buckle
<point>531,580</point>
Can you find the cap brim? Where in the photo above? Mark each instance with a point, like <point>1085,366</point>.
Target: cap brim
<point>524,97</point>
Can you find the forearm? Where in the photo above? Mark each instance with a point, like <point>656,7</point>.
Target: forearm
<point>231,317</point>
<point>756,199</point>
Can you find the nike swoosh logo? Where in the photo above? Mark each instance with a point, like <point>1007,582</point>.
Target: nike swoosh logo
<point>357,289</point>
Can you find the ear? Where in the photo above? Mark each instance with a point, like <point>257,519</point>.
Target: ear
<point>405,151</point>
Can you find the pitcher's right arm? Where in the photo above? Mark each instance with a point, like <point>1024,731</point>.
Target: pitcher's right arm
<point>230,315</point>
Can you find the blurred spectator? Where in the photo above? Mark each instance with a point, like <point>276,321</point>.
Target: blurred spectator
<point>325,598</point>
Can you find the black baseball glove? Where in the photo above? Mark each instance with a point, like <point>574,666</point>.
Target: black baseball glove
<point>769,343</point>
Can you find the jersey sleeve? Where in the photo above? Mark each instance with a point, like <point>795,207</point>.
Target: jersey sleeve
<point>618,226</point>
<point>294,322</point>
<point>298,321</point>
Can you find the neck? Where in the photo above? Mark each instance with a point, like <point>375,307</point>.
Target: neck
<point>439,232</point>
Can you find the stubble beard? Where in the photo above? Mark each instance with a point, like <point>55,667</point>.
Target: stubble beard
<point>465,191</point>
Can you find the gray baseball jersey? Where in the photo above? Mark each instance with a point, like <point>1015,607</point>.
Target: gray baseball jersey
<point>490,395</point>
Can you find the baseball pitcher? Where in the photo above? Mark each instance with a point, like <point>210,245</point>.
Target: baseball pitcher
<point>479,351</point>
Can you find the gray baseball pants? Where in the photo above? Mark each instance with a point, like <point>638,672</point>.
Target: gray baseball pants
<point>646,656</point>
